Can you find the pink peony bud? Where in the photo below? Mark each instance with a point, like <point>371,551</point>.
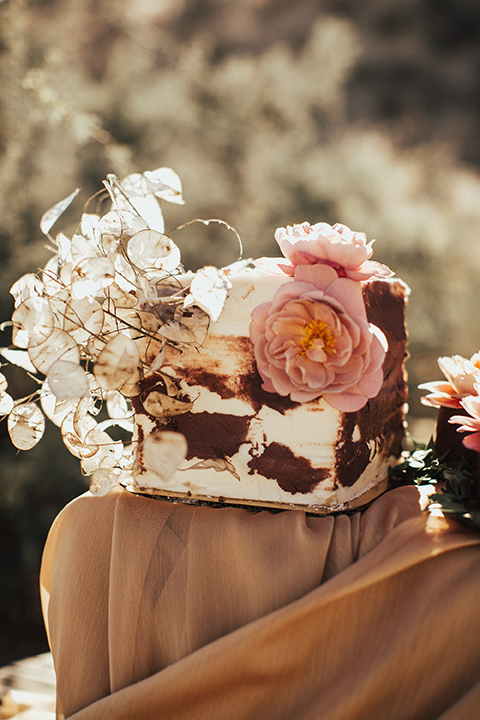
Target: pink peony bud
<point>334,245</point>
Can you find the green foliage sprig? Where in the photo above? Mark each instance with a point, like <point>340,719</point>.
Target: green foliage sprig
<point>454,482</point>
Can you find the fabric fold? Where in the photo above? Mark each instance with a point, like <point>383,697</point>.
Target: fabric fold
<point>222,612</point>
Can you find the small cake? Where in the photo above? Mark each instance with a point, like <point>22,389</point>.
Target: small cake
<point>323,443</point>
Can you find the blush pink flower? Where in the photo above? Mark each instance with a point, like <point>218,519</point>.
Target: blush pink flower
<point>345,251</point>
<point>470,423</point>
<point>462,378</point>
<point>314,340</point>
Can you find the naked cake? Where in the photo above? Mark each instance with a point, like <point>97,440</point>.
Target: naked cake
<point>296,395</point>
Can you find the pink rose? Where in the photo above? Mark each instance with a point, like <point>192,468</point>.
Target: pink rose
<point>337,246</point>
<point>462,377</point>
<point>314,339</point>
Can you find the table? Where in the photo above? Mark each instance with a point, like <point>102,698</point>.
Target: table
<point>160,610</point>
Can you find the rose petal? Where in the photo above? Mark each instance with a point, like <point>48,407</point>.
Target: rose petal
<point>472,442</point>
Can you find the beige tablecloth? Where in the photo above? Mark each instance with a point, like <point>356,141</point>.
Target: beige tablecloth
<point>168,611</point>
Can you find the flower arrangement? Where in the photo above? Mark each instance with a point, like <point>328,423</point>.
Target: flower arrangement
<point>314,339</point>
<point>98,317</point>
<point>459,391</point>
<point>447,487</point>
<point>450,478</point>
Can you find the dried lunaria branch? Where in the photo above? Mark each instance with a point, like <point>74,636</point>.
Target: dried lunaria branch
<point>98,317</point>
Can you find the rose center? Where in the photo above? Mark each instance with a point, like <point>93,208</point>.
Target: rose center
<point>316,330</point>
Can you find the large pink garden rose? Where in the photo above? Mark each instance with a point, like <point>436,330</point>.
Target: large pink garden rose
<point>345,251</point>
<point>314,339</point>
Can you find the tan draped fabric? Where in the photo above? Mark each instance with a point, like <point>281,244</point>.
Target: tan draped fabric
<point>167,611</point>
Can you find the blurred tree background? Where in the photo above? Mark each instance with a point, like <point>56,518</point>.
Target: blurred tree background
<point>272,112</point>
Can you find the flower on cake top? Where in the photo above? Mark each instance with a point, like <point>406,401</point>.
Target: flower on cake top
<point>314,339</point>
<point>462,376</point>
<point>346,251</point>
